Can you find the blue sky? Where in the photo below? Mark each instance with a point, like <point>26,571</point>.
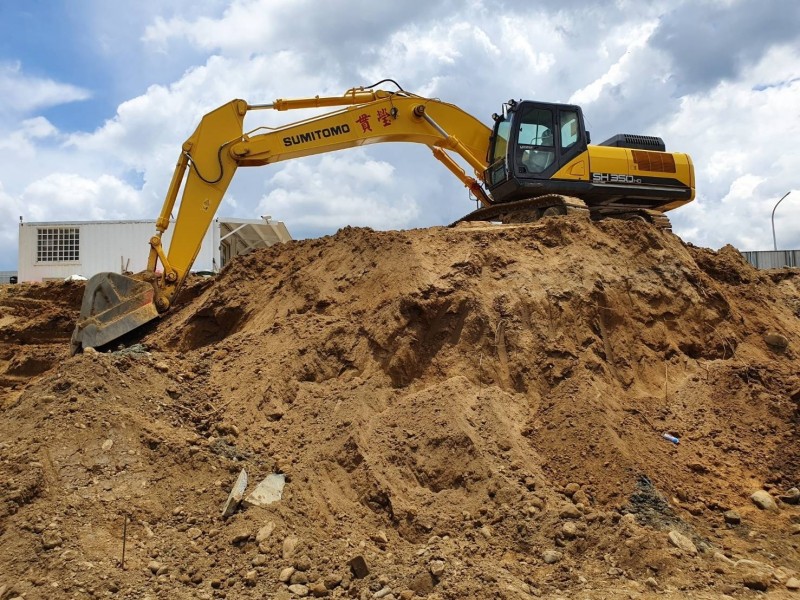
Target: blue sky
<point>98,97</point>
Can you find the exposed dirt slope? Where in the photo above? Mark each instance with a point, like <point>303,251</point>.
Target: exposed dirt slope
<point>477,412</point>
<point>35,324</point>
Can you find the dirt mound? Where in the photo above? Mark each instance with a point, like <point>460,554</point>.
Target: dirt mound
<point>36,322</point>
<point>475,412</point>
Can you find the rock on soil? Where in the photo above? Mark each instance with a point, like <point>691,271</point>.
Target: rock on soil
<point>457,413</point>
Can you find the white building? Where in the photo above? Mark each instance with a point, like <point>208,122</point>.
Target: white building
<point>56,250</point>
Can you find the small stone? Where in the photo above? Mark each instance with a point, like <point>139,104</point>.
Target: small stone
<point>216,583</point>
<point>422,584</point>
<point>286,575</point>
<point>384,592</point>
<point>732,517</point>
<point>724,559</point>
<point>651,582</point>
<point>318,589</point>
<point>299,590</point>
<point>486,531</point>
<point>569,530</point>
<point>251,578</point>
<point>290,544</point>
<point>265,532</point>
<point>332,581</point>
<point>162,366</point>
<point>302,563</point>
<point>571,488</point>
<point>756,580</point>
<point>359,567</point>
<point>581,497</point>
<point>299,577</point>
<point>259,561</point>
<point>795,529</point>
<point>194,533</point>
<point>551,557</point>
<point>51,539</point>
<point>240,538</point>
<point>153,566</point>
<point>792,496</point>
<point>570,512</point>
<point>107,444</point>
<point>793,583</point>
<point>380,538</point>
<point>776,340</point>
<point>764,500</point>
<point>162,570</point>
<point>436,568</point>
<point>683,543</point>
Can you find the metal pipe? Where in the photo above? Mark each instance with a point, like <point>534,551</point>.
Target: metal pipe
<point>774,241</point>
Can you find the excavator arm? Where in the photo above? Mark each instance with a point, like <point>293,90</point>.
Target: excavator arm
<point>116,304</point>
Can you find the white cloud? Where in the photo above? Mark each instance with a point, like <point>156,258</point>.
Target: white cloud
<point>56,197</point>
<point>741,137</point>
<point>24,94</point>
<point>338,190</point>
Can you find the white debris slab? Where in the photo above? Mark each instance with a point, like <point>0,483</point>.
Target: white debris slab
<point>236,495</point>
<point>268,491</point>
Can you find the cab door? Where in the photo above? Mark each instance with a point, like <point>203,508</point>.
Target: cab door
<point>547,137</point>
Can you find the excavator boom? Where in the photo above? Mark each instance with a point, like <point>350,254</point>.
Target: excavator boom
<point>116,304</point>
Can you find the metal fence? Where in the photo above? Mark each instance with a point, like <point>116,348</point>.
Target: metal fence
<point>8,277</point>
<point>773,259</point>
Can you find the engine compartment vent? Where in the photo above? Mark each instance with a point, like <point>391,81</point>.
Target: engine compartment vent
<point>639,142</point>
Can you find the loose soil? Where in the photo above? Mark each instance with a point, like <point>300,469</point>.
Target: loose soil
<point>468,412</point>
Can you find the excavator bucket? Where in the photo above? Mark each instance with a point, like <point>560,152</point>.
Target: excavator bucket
<point>112,306</point>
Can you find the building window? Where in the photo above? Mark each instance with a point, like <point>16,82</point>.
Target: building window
<point>58,244</point>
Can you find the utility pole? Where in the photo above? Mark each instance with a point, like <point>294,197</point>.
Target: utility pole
<point>774,241</point>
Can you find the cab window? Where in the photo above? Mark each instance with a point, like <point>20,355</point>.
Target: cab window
<point>497,168</point>
<point>535,145</point>
<point>568,124</point>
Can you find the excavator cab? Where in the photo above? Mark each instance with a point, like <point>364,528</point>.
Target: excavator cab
<point>539,148</point>
<point>531,142</point>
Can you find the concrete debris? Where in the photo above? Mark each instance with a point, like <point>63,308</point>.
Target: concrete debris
<point>269,490</point>
<point>236,495</point>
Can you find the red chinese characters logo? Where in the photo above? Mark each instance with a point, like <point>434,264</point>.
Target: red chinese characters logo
<point>384,117</point>
<point>363,120</point>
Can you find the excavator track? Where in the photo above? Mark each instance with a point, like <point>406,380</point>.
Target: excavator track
<point>654,217</point>
<point>528,211</point>
<point>531,210</point>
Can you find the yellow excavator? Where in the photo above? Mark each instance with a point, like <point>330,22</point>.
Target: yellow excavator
<point>536,161</point>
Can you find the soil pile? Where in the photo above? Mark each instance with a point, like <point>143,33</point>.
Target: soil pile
<point>35,321</point>
<point>476,412</point>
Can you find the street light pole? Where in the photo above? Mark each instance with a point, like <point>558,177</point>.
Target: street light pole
<point>774,242</point>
